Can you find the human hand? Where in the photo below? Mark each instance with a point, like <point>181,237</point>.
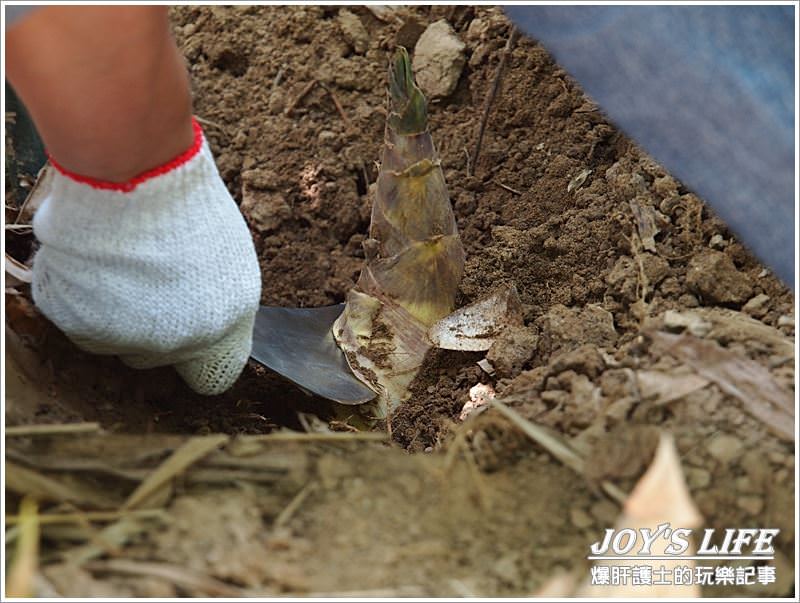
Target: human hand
<point>160,270</point>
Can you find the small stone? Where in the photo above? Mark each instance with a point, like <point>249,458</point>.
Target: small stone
<point>438,60</point>
<point>189,29</point>
<point>713,275</point>
<point>743,484</point>
<point>776,456</point>
<point>699,327</point>
<point>486,366</point>
<point>276,103</point>
<point>725,448</point>
<point>580,518</point>
<point>691,322</point>
<point>787,320</point>
<point>674,320</point>
<point>756,306</point>
<point>697,478</point>
<point>353,30</point>
<point>717,242</point>
<point>605,512</point>
<point>326,137</point>
<point>687,300</point>
<point>507,569</point>
<point>478,29</point>
<point>752,505</point>
<point>757,470</point>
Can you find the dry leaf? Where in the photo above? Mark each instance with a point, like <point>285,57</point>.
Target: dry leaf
<point>38,193</point>
<point>737,376</point>
<point>473,328</point>
<point>561,585</point>
<point>645,217</point>
<point>660,496</point>
<point>18,272</point>
<point>664,387</point>
<point>578,180</point>
<point>661,493</point>
<point>730,325</point>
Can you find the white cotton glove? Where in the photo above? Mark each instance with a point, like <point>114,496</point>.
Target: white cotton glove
<point>160,270</point>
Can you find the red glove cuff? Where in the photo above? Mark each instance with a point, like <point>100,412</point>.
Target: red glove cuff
<point>129,185</point>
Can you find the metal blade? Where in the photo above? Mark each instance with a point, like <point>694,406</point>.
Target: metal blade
<point>298,344</point>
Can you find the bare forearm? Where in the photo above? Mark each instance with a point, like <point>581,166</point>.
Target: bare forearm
<point>106,87</point>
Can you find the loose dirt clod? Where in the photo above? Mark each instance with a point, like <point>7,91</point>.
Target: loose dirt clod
<point>713,275</point>
<point>353,30</point>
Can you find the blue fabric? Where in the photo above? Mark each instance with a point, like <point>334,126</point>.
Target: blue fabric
<point>11,14</point>
<point>708,91</point>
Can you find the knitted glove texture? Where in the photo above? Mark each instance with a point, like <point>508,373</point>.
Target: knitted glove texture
<point>159,271</point>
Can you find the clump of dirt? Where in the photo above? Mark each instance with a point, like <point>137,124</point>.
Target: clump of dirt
<point>603,246</point>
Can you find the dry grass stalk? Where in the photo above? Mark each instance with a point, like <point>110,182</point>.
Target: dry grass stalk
<point>193,450</point>
<point>51,429</point>
<point>23,568</point>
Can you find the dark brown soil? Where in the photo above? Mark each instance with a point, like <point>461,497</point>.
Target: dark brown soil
<point>593,284</point>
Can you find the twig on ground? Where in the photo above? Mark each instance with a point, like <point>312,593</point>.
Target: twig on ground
<point>285,515</point>
<point>506,187</point>
<point>365,173</point>
<point>208,122</point>
<point>348,124</point>
<point>489,101</point>
<point>296,101</point>
<point>278,77</point>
